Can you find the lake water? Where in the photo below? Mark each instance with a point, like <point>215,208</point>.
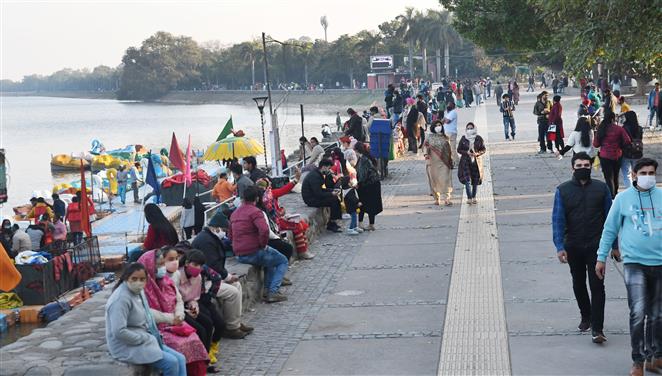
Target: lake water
<point>34,128</point>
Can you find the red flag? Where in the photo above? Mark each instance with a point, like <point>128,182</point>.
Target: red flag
<point>84,203</point>
<point>176,154</point>
<point>187,167</point>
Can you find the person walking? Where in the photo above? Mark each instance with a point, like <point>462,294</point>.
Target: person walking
<point>450,130</point>
<point>611,139</point>
<point>507,108</point>
<point>470,169</point>
<point>581,206</point>
<point>555,117</point>
<point>515,93</point>
<point>655,107</point>
<point>580,140</point>
<point>388,99</point>
<point>412,126</point>
<point>133,181</point>
<point>635,219</point>
<point>531,86</point>
<point>338,122</point>
<point>369,187</point>
<point>398,104</point>
<point>122,179</point>
<point>438,152</point>
<point>635,150</point>
<point>541,109</point>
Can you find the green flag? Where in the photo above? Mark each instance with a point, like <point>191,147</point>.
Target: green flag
<point>226,130</point>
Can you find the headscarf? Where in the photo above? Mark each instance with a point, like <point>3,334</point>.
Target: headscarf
<point>440,145</point>
<point>161,294</point>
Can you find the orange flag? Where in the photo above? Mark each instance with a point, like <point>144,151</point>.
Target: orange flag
<point>9,276</point>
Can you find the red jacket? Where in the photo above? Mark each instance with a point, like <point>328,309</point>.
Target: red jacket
<point>611,146</point>
<point>249,230</point>
<point>554,117</point>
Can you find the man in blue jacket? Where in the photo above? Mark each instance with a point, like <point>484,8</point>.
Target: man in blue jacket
<point>580,209</point>
<point>636,218</point>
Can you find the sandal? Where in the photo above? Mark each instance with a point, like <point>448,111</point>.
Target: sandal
<point>448,203</point>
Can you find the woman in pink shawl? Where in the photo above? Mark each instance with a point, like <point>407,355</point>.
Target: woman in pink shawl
<point>168,310</point>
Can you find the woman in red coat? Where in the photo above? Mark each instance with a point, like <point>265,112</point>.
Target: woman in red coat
<point>555,117</point>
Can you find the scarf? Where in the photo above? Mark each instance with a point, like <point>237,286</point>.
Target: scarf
<point>438,143</point>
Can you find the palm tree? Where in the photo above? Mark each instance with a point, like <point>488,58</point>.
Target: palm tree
<point>407,30</point>
<point>325,24</point>
<point>442,34</point>
<point>369,41</point>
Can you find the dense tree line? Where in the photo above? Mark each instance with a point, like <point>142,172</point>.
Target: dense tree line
<point>101,78</point>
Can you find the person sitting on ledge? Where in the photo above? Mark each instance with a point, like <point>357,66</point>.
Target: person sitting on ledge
<point>131,332</point>
<point>317,190</point>
<point>250,165</point>
<point>249,233</point>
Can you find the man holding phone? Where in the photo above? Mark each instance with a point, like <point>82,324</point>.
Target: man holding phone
<point>581,206</point>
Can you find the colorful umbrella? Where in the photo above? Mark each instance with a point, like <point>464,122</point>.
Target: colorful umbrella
<point>233,147</point>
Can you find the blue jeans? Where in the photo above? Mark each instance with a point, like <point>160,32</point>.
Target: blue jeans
<point>471,190</point>
<point>121,191</point>
<point>274,263</point>
<point>509,122</point>
<point>172,363</point>
<point>644,286</point>
<point>353,219</point>
<point>627,165</point>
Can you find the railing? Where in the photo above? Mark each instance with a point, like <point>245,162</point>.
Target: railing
<point>289,171</point>
<point>215,206</point>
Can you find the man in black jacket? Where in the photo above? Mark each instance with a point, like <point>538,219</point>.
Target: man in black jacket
<point>541,110</point>
<point>411,124</point>
<point>355,128</point>
<point>318,191</point>
<point>580,209</point>
<point>388,99</point>
<point>229,294</point>
<point>250,165</point>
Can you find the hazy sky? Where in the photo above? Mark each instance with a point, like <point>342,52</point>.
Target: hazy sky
<point>45,36</point>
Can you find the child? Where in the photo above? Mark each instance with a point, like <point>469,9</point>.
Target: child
<point>188,218</point>
<point>352,203</point>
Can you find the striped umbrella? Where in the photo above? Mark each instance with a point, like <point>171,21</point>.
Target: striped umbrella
<point>233,147</point>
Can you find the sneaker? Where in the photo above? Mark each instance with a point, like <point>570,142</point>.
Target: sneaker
<point>276,297</point>
<point>584,325</point>
<point>542,152</point>
<point>599,337</point>
<point>371,228</point>
<point>346,216</point>
<point>306,256</point>
<point>470,202</point>
<point>474,201</point>
<point>507,139</point>
<point>286,282</point>
<point>359,230</point>
<point>637,369</point>
<point>246,328</point>
<point>234,334</point>
<point>351,231</point>
<point>333,227</point>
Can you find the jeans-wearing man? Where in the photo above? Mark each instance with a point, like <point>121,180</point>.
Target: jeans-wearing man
<point>581,206</point>
<point>249,232</point>
<point>507,108</point>
<point>541,109</point>
<point>636,218</point>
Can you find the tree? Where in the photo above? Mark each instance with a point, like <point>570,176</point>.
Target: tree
<point>250,51</point>
<point>325,24</point>
<point>163,63</point>
<point>407,30</point>
<point>439,27</point>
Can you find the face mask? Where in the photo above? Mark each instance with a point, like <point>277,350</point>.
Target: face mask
<point>171,266</point>
<point>471,132</point>
<point>161,272</point>
<point>582,173</point>
<point>646,182</point>
<point>438,129</point>
<point>135,286</point>
<point>193,271</point>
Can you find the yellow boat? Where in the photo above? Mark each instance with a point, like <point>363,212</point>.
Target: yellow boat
<point>106,161</point>
<point>64,162</point>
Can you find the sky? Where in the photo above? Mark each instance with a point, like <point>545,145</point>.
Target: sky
<point>45,36</point>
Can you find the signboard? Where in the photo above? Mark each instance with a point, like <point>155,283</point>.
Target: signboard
<point>3,177</point>
<point>381,62</point>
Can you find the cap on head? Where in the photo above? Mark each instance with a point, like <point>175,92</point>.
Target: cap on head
<point>218,220</point>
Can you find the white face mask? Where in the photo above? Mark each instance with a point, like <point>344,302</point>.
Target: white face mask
<point>471,132</point>
<point>219,233</point>
<point>135,286</point>
<point>646,182</point>
<point>438,129</point>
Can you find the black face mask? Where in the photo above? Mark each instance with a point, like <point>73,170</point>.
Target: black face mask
<point>582,174</point>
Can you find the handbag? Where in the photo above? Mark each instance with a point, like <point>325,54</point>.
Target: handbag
<point>552,128</point>
<point>183,330</point>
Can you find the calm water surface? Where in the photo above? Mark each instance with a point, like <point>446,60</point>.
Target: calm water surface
<point>34,128</point>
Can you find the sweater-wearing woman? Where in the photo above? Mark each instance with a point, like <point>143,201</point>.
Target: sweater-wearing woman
<point>369,188</point>
<point>611,139</point>
<point>580,140</point>
<point>131,333</point>
<point>631,155</point>
<point>438,151</point>
<point>470,170</point>
<point>167,307</point>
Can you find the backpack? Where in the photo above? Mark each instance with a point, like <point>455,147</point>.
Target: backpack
<point>635,150</point>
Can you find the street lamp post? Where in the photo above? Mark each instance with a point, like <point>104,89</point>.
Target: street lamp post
<point>260,101</point>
